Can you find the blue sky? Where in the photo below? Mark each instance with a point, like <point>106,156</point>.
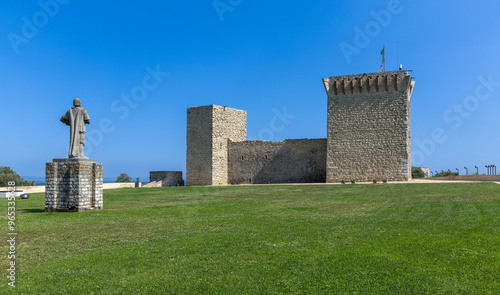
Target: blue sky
<point>265,57</point>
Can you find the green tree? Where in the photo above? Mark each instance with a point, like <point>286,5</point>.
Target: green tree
<point>7,174</point>
<point>124,177</point>
<point>417,172</point>
<point>446,173</point>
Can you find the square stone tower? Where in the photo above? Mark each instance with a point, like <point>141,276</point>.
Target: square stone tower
<point>209,128</point>
<point>369,127</point>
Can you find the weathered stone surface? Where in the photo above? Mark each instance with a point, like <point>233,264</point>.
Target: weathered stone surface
<point>166,178</point>
<point>288,161</point>
<point>76,118</point>
<point>73,186</point>
<point>208,130</point>
<point>369,127</point>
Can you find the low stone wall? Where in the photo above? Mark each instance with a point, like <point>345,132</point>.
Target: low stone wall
<point>27,189</point>
<point>289,161</point>
<point>495,178</point>
<point>117,185</point>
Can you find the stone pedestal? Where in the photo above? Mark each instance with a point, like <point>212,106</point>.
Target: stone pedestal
<point>73,185</point>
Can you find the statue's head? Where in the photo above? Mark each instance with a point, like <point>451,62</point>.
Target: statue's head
<point>77,102</point>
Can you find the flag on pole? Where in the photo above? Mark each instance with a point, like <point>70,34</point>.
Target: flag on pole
<point>383,59</point>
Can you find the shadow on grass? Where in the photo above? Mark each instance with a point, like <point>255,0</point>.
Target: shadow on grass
<point>32,210</point>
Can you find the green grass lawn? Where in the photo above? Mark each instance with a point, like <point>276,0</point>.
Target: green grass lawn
<point>339,239</point>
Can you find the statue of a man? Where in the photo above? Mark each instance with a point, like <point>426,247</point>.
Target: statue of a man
<point>76,118</point>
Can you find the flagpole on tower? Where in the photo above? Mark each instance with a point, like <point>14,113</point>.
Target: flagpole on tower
<point>382,66</point>
<point>384,57</point>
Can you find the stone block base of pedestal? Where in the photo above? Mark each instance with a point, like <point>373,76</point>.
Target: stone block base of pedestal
<point>73,185</point>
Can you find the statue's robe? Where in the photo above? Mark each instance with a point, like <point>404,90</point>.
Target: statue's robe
<point>76,118</point>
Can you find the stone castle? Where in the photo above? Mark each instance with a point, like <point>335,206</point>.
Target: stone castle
<point>368,138</point>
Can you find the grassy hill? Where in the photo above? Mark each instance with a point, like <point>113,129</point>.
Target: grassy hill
<point>403,238</point>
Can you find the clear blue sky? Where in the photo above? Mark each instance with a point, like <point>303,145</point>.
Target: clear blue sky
<point>259,56</point>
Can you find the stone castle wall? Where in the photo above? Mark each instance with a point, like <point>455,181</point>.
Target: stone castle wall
<point>73,186</point>
<point>369,127</point>
<point>208,130</point>
<point>288,161</point>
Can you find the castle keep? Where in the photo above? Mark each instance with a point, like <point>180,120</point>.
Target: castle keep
<point>369,127</point>
<point>368,138</point>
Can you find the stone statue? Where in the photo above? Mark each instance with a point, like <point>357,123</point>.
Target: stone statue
<point>76,118</point>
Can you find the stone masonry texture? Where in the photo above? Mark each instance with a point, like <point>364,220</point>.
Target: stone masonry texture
<point>73,187</point>
<point>369,127</point>
<point>288,161</point>
<point>208,130</point>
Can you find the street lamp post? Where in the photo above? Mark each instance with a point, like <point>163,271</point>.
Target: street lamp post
<point>477,170</point>
<point>466,171</point>
<point>458,171</point>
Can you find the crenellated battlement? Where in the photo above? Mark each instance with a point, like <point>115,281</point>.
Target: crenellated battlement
<point>374,82</point>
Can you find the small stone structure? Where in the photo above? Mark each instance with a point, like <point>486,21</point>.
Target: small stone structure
<point>368,138</point>
<point>166,178</point>
<point>74,184</point>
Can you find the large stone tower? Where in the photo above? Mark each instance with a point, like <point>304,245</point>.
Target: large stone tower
<point>209,128</point>
<point>369,127</point>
